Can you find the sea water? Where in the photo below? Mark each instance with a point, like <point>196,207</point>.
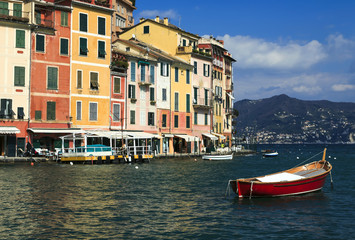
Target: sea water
<point>182,198</point>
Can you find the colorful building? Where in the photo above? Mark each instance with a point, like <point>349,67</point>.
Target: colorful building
<point>90,64</point>
<point>50,73</point>
<point>122,17</point>
<point>15,67</point>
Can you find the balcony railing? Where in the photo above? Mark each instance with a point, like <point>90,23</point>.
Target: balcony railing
<point>14,15</point>
<point>145,80</point>
<point>184,49</point>
<point>44,22</point>
<point>229,87</point>
<point>202,102</point>
<point>228,111</point>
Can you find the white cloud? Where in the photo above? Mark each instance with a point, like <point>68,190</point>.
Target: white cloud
<point>258,53</point>
<point>343,87</point>
<point>340,47</point>
<point>171,14</point>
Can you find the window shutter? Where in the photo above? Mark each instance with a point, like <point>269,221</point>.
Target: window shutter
<point>101,49</point>
<point>17,10</point>
<point>19,76</point>
<point>142,73</point>
<point>117,85</point>
<point>188,103</point>
<point>4,8</point>
<point>20,38</point>
<point>39,43</point>
<point>78,110</point>
<point>116,112</point>
<point>187,76</point>
<point>152,73</point>
<point>101,26</point>
<point>176,74</point>
<point>133,71</point>
<point>83,23</point>
<point>64,46</point>
<point>176,101</point>
<point>151,94</point>
<point>51,110</point>
<point>52,77</point>
<point>79,79</point>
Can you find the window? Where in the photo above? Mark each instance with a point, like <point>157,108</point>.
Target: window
<point>164,69</point>
<point>39,43</point>
<point>195,67</point>
<point>4,8</point>
<point>64,19</point>
<point>64,43</point>
<point>116,85</point>
<point>195,95</point>
<point>133,71</point>
<point>142,72</point>
<point>78,110</point>
<point>79,79</point>
<point>17,10</point>
<point>6,109</point>
<point>120,22</point>
<point>187,76</point>
<point>20,38</point>
<point>152,97</point>
<point>176,105</point>
<point>19,76</point>
<point>176,121</point>
<point>206,70</point>
<point>146,29</point>
<point>184,42</point>
<point>206,119</point>
<point>93,111</point>
<point>83,22</point>
<point>94,81</point>
<point>152,74</point>
<point>188,103</point>
<point>52,78</point>
<point>101,49</point>
<point>116,112</point>
<point>195,118</point>
<point>206,97</point>
<point>20,113</point>
<point>176,74</point>
<point>51,110</point>
<point>101,25</point>
<point>83,51</point>
<point>132,91</point>
<point>38,17</point>
<point>132,117</point>
<point>38,115</point>
<point>164,120</point>
<point>164,94</point>
<point>188,122</point>
<point>150,119</point>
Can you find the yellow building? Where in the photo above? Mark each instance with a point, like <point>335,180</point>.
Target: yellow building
<point>90,61</point>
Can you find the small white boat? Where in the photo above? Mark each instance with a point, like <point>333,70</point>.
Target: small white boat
<point>270,153</point>
<point>218,157</point>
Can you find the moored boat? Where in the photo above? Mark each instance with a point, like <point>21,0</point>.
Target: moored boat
<point>298,180</point>
<point>270,153</point>
<point>218,157</point>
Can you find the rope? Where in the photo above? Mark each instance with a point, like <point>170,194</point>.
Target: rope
<point>308,159</point>
<point>251,189</point>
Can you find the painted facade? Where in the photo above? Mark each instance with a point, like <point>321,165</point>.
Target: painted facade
<point>14,75</point>
<point>50,72</point>
<point>90,64</point>
<point>122,16</point>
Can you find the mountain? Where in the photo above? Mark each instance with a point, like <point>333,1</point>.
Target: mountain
<point>282,119</point>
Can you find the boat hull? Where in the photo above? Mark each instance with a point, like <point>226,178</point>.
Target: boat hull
<point>217,157</point>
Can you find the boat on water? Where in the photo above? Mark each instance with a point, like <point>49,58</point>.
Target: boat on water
<point>218,157</point>
<point>270,153</point>
<point>298,180</point>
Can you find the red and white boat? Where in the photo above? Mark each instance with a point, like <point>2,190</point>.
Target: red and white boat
<point>298,180</point>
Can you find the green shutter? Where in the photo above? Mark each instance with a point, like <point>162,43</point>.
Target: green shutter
<point>101,49</point>
<point>51,110</point>
<point>176,74</point>
<point>52,78</point>
<point>142,73</point>
<point>4,8</point>
<point>152,73</point>
<point>83,22</point>
<point>38,115</point>
<point>83,46</point>
<point>17,10</point>
<point>151,94</point>
<point>64,19</point>
<point>39,43</point>
<point>101,26</point>
<point>64,46</point>
<point>187,76</point>
<point>20,38</point>
<point>176,102</point>
<point>188,103</point>
<point>133,71</point>
<point>19,76</point>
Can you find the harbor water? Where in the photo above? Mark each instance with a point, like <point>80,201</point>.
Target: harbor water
<point>181,198</point>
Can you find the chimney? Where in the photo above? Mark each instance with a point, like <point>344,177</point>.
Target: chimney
<point>157,19</point>
<point>166,21</point>
<point>141,20</point>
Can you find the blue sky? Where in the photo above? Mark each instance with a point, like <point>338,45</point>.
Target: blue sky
<point>302,48</point>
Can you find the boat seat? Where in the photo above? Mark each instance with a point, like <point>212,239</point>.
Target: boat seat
<point>310,172</point>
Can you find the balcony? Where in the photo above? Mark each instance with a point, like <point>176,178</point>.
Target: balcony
<point>229,87</point>
<point>144,80</point>
<point>184,49</point>
<point>202,103</point>
<point>44,22</point>
<point>228,111</point>
<point>14,15</point>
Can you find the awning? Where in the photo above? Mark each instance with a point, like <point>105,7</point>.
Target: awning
<point>56,130</point>
<point>230,95</point>
<point>188,138</point>
<point>219,135</point>
<point>212,137</point>
<point>9,130</point>
<point>140,135</point>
